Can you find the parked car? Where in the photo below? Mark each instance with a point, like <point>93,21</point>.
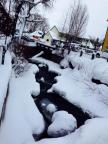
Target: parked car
<point>37,35</point>
<point>89,51</point>
<point>76,45</point>
<point>28,41</point>
<point>103,54</point>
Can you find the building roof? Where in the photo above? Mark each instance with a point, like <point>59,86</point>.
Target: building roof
<point>54,35</point>
<point>64,35</point>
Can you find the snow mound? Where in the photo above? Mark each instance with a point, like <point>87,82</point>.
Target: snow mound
<point>22,117</point>
<point>51,108</point>
<point>89,69</point>
<point>63,123</point>
<point>82,92</point>
<point>51,65</point>
<point>64,63</point>
<point>5,74</point>
<point>95,131</point>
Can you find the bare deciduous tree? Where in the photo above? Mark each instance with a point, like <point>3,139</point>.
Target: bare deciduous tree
<point>30,4</point>
<point>37,22</point>
<point>78,19</point>
<point>20,11</point>
<point>3,2</point>
<point>17,9</point>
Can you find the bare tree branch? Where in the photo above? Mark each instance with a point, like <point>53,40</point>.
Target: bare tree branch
<point>78,20</point>
<point>37,22</point>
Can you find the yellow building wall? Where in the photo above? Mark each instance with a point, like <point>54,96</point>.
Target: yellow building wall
<point>55,31</point>
<point>105,43</point>
<point>48,37</point>
<point>53,34</point>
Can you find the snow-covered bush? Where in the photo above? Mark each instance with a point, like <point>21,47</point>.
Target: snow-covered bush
<point>64,63</point>
<point>63,123</point>
<point>20,65</point>
<point>17,48</point>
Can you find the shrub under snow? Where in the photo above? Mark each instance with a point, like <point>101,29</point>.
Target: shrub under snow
<point>63,123</point>
<point>51,108</point>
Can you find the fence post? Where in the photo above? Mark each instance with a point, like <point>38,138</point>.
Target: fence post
<point>3,54</point>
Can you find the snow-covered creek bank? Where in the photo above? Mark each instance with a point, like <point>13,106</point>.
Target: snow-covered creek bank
<point>46,79</point>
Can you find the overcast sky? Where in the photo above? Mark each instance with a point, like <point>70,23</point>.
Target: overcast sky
<point>98,14</point>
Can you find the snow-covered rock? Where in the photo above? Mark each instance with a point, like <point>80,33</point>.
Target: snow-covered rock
<point>64,63</point>
<point>96,68</point>
<point>63,123</point>
<point>95,131</point>
<point>51,108</point>
<point>80,91</point>
<point>51,65</point>
<point>100,71</point>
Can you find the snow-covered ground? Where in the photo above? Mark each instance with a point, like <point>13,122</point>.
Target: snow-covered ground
<point>52,66</point>
<point>93,132</point>
<point>96,68</point>
<point>5,73</point>
<point>22,118</point>
<point>77,86</point>
<point>83,93</point>
<point>4,40</point>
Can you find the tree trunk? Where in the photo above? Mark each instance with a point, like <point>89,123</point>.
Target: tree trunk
<point>16,18</point>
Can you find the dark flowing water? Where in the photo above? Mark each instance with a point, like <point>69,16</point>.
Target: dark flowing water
<point>98,82</point>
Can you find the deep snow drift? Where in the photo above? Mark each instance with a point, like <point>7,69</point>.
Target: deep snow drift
<point>77,87</point>
<point>22,117</point>
<point>93,132</point>
<point>5,73</point>
<point>63,123</point>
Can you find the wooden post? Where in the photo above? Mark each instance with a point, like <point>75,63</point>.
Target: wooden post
<point>1,53</point>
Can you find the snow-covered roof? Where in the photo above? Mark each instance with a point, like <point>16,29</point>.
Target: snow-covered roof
<point>54,35</point>
<point>36,33</point>
<point>88,43</point>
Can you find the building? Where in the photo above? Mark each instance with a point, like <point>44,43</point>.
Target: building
<point>53,37</point>
<point>105,42</point>
<point>86,43</point>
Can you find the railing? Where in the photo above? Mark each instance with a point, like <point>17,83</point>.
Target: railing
<point>45,46</point>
